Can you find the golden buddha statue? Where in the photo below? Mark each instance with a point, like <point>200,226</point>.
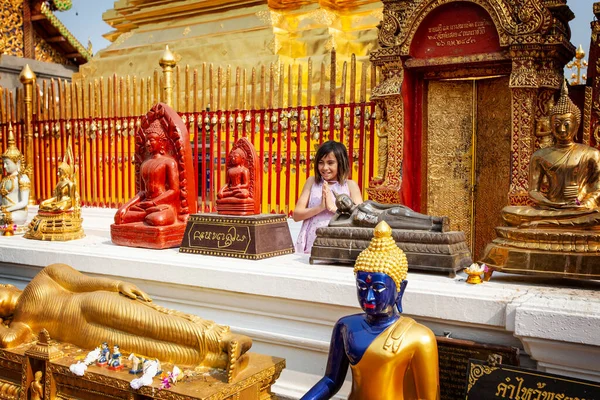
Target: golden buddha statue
<point>14,186</point>
<point>391,357</point>
<point>564,179</point>
<point>59,217</point>
<point>86,311</point>
<point>564,186</point>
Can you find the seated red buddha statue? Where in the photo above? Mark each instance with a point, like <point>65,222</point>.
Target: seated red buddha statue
<point>241,193</point>
<point>156,217</point>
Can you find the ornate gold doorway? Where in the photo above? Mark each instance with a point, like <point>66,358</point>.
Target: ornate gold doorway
<point>467,137</point>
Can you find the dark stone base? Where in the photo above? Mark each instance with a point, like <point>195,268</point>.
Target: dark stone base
<point>251,237</point>
<point>425,251</point>
<point>138,234</point>
<point>562,264</point>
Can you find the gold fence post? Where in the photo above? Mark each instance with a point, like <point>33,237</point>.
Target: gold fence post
<point>27,78</point>
<point>167,62</point>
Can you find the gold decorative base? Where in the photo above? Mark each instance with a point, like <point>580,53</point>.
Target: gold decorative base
<point>20,364</point>
<point>544,252</point>
<point>56,226</point>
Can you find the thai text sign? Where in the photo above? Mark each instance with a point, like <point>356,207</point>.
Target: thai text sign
<point>454,356</point>
<point>512,383</point>
<point>219,236</point>
<point>456,29</point>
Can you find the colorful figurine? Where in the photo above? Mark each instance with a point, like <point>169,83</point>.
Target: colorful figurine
<point>241,193</point>
<point>14,186</point>
<point>104,354</point>
<point>136,364</point>
<point>380,345</point>
<point>115,359</point>
<point>97,308</point>
<point>156,216</point>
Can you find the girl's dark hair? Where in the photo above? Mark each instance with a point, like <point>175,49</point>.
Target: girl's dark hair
<point>341,155</point>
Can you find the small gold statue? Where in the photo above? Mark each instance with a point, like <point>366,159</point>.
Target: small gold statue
<point>59,217</point>
<point>14,186</point>
<point>36,389</point>
<point>85,311</point>
<point>558,236</point>
<point>543,130</point>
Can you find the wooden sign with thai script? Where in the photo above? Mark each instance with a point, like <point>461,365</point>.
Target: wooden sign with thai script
<point>456,29</point>
<point>454,356</point>
<point>252,237</point>
<point>486,381</point>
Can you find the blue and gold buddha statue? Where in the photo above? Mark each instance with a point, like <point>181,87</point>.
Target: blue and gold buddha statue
<point>391,357</point>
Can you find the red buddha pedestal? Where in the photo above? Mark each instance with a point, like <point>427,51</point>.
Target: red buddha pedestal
<point>239,229</point>
<point>156,217</point>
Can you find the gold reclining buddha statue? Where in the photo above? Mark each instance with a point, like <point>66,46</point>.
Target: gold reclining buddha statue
<point>87,311</point>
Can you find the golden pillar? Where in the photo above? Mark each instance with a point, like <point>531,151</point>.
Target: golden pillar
<point>167,63</point>
<point>27,78</point>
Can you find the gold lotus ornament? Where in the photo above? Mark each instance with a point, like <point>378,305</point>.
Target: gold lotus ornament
<point>475,271</point>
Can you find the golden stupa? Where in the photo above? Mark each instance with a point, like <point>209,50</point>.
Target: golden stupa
<point>235,32</point>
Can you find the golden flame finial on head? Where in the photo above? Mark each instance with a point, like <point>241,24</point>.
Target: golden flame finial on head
<point>67,164</point>
<point>564,105</point>
<point>383,255</point>
<point>12,152</point>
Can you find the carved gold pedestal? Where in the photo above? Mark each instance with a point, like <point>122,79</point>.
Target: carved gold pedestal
<point>56,226</point>
<point>544,252</point>
<point>18,367</point>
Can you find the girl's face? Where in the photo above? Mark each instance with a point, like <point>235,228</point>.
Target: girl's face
<point>328,167</point>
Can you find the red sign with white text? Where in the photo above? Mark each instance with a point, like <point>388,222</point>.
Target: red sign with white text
<point>455,29</point>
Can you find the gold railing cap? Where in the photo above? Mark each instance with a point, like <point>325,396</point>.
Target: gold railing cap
<point>167,59</point>
<point>26,75</point>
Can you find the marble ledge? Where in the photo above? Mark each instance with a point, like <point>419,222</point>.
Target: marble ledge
<point>525,306</point>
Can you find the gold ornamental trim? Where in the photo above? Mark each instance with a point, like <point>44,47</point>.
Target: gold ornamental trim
<point>259,256</point>
<point>225,221</point>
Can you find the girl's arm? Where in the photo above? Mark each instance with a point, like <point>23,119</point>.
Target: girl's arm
<point>302,211</point>
<point>355,193</point>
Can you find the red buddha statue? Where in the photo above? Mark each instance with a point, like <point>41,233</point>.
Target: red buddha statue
<point>241,193</point>
<point>156,217</point>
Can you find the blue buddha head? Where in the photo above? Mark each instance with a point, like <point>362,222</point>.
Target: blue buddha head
<point>381,274</point>
<point>378,293</point>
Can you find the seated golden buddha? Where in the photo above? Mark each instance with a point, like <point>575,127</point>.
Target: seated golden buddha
<point>59,217</point>
<point>564,186</point>
<point>86,311</point>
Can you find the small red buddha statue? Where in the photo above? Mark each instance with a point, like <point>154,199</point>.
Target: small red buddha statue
<point>241,193</point>
<point>156,217</point>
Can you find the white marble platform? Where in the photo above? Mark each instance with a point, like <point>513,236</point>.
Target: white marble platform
<point>288,306</point>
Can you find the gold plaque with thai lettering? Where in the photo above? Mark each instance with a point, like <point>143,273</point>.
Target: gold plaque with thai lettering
<point>493,381</point>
